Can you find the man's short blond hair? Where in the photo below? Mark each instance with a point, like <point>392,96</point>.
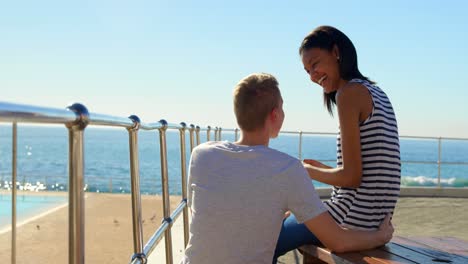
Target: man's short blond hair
<point>255,96</point>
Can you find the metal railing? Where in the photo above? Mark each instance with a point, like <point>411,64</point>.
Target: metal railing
<point>439,140</point>
<point>439,161</point>
<point>113,187</point>
<point>76,118</point>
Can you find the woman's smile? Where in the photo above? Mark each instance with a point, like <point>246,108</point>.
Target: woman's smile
<point>321,80</point>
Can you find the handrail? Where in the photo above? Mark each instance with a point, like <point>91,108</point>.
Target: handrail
<point>308,132</point>
<point>76,118</point>
<point>35,114</point>
<point>429,137</point>
<point>108,120</point>
<point>158,235</point>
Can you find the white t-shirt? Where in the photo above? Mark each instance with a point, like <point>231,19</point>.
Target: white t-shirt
<point>238,196</point>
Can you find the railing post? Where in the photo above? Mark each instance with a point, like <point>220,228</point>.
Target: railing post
<point>197,130</point>
<point>76,233</point>
<point>183,172</point>
<point>208,132</point>
<point>300,145</point>
<point>192,137</point>
<point>219,134</point>
<point>165,190</point>
<point>236,131</point>
<point>14,152</point>
<point>439,162</point>
<point>135,190</point>
<point>216,133</point>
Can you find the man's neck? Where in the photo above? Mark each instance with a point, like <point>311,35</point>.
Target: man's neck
<point>255,138</point>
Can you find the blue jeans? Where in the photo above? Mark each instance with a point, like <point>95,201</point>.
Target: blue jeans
<point>292,236</point>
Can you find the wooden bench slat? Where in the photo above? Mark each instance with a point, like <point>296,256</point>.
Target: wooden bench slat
<point>440,248</point>
<point>462,253</point>
<point>311,253</point>
<point>422,254</point>
<point>448,244</point>
<point>399,250</point>
<point>375,256</point>
<point>412,254</point>
<point>355,258</point>
<point>447,248</point>
<point>384,256</point>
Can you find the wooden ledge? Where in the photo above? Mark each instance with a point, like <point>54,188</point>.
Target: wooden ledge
<point>399,250</point>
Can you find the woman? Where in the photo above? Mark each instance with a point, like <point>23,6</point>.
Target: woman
<point>367,177</point>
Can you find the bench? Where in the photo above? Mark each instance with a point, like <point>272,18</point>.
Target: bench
<point>399,250</point>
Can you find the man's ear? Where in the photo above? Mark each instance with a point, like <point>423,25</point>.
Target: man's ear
<point>274,114</point>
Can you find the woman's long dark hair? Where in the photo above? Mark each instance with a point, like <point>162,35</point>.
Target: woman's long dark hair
<point>326,37</point>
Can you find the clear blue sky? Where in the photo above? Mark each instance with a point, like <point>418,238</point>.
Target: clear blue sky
<point>179,60</point>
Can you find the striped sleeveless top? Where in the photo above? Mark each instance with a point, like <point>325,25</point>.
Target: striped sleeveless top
<point>365,207</point>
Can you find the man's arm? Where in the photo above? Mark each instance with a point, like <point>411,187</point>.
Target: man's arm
<point>340,240</point>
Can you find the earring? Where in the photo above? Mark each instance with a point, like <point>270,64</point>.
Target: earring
<point>338,58</point>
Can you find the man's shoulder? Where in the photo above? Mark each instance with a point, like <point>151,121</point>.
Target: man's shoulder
<point>243,152</point>
<point>208,144</point>
<point>282,155</point>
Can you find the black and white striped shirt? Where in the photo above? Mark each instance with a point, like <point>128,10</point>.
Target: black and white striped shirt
<point>366,206</point>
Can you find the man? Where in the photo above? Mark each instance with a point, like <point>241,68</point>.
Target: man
<point>239,192</point>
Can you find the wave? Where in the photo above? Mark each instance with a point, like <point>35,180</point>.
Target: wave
<point>428,181</point>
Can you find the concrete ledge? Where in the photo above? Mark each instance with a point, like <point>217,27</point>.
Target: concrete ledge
<point>325,193</point>
<point>434,192</point>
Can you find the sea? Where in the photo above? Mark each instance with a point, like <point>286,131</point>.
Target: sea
<point>42,158</point>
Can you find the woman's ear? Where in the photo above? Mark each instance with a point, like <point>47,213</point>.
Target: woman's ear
<point>336,52</point>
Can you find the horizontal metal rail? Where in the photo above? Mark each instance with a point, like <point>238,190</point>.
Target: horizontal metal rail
<point>434,138</point>
<point>309,133</point>
<point>159,234</point>
<point>21,113</point>
<point>18,113</point>
<point>435,162</point>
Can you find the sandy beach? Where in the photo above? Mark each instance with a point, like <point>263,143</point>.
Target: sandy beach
<point>108,231</point>
<point>109,227</point>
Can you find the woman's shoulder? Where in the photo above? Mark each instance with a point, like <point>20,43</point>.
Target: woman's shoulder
<point>352,90</point>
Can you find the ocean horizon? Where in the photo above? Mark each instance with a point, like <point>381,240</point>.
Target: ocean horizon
<point>43,158</point>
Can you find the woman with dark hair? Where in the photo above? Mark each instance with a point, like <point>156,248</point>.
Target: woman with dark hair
<point>366,179</point>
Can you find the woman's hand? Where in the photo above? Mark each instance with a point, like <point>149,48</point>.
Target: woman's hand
<point>386,230</point>
<point>326,174</point>
<point>315,163</point>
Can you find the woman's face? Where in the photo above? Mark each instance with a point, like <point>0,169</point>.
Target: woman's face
<point>323,68</point>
